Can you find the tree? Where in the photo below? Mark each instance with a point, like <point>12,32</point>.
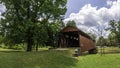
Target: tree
<point>53,33</point>
<point>71,23</point>
<point>115,31</point>
<point>93,36</point>
<point>28,21</point>
<point>111,40</point>
<point>101,42</point>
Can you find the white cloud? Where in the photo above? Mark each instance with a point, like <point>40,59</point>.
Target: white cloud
<point>110,2</point>
<point>2,10</point>
<point>90,17</point>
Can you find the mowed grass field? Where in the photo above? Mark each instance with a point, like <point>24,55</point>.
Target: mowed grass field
<point>59,59</point>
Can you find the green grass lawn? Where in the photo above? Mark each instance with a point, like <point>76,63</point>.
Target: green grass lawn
<point>41,59</point>
<point>58,59</point>
<point>98,61</point>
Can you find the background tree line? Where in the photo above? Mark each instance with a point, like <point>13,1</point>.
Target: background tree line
<point>113,38</point>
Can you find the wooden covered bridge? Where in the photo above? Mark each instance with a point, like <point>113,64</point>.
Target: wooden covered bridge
<point>73,37</point>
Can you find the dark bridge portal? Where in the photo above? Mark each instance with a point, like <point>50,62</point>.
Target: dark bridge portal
<point>71,39</point>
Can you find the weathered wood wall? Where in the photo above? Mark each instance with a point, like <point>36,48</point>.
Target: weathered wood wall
<point>86,44</point>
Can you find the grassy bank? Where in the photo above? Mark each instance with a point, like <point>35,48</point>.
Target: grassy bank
<point>41,59</point>
<point>98,61</point>
<point>58,59</point>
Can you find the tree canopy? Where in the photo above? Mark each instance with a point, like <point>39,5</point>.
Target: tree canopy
<point>32,21</point>
<point>114,36</point>
<point>71,23</point>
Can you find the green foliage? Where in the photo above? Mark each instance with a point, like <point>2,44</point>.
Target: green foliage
<point>113,26</point>
<point>71,23</point>
<point>111,40</point>
<point>53,33</point>
<point>114,37</point>
<point>93,36</point>
<point>101,41</point>
<point>15,47</point>
<point>30,21</point>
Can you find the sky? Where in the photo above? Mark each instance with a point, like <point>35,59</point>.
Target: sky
<point>2,9</point>
<point>76,5</point>
<point>90,15</point>
<point>93,15</point>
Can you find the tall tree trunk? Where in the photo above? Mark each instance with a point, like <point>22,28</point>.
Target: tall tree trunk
<point>29,40</point>
<point>37,46</point>
<point>29,44</point>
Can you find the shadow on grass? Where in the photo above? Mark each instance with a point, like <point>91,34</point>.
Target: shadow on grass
<point>57,61</point>
<point>60,61</point>
<point>11,51</point>
<point>40,59</point>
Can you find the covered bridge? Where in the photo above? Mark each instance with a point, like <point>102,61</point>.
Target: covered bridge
<point>73,37</point>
